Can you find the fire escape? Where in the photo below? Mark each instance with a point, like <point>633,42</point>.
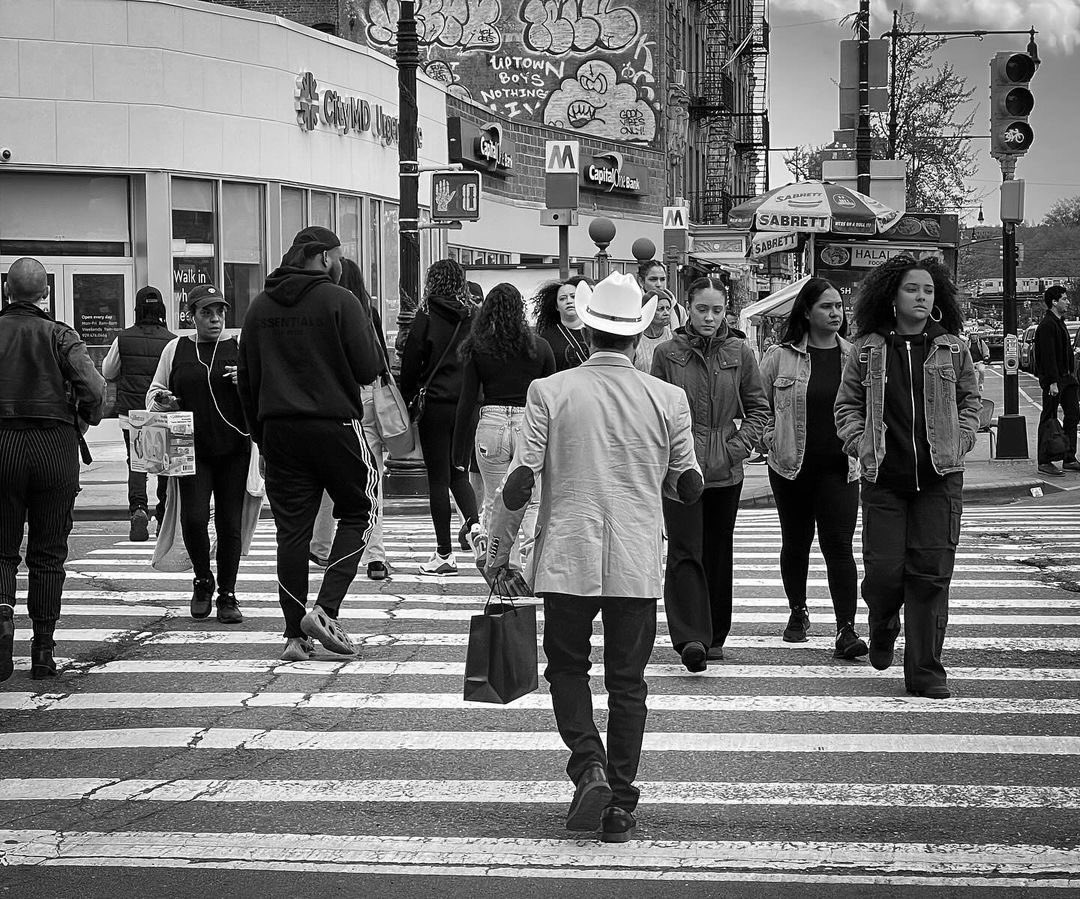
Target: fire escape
<point>728,104</point>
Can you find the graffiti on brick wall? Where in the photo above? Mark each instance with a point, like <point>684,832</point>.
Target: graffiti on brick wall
<point>583,65</point>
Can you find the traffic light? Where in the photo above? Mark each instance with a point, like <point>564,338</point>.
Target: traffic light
<point>1011,103</point>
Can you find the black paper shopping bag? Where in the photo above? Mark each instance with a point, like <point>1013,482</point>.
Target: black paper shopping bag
<point>500,665</point>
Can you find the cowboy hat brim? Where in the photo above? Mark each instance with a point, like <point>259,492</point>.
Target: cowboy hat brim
<point>624,327</point>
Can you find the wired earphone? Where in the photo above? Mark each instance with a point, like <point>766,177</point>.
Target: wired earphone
<point>210,385</point>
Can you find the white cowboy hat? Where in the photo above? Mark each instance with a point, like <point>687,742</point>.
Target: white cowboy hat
<point>614,305</point>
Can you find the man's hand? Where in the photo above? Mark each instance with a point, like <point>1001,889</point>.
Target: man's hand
<point>1053,390</point>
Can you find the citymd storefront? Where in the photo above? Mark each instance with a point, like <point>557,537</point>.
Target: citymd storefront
<point>177,143</point>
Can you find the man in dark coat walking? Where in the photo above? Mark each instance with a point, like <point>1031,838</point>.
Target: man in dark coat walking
<point>1054,366</point>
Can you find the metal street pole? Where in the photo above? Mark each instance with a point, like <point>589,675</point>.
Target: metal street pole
<point>408,59</point>
<point>862,134</point>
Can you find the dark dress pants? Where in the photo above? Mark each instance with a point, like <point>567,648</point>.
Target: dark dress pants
<point>629,634</point>
<point>909,549</point>
<point>700,561</point>
<point>1069,400</point>
<point>137,486</point>
<point>304,457</point>
<point>39,480</point>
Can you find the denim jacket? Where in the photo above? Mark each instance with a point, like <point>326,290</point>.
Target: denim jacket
<point>785,374</point>
<point>950,395</point>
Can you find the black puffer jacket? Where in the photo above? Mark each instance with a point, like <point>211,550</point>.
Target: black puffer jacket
<point>433,332</point>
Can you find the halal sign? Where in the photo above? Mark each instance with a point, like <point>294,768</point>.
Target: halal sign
<point>455,196</point>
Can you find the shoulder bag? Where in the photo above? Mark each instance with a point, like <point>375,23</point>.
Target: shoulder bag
<point>416,408</point>
<point>391,412</point>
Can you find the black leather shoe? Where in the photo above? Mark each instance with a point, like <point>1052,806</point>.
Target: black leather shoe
<point>591,797</point>
<point>938,692</point>
<point>693,657</point>
<point>617,825</point>
<point>7,641</point>
<point>881,652</point>
<point>715,653</point>
<point>202,597</point>
<point>228,609</point>
<point>42,664</point>
<point>377,571</point>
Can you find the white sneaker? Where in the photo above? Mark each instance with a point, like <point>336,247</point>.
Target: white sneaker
<point>478,542</point>
<point>437,564</point>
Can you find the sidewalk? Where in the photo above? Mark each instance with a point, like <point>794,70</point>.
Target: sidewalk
<point>104,483</point>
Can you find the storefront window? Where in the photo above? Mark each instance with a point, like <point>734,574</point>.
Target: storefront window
<point>351,228</point>
<point>375,253</point>
<point>194,240</point>
<point>293,214</point>
<point>322,209</point>
<point>391,290</point>
<point>242,247</point>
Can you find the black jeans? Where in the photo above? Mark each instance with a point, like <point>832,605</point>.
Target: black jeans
<point>224,478</point>
<point>1069,400</point>
<point>697,586</point>
<point>820,497</point>
<point>304,457</point>
<point>909,549</point>
<point>629,634</point>
<point>436,438</point>
<point>137,486</point>
<point>39,480</point>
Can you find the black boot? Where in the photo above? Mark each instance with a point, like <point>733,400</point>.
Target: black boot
<point>7,641</point>
<point>42,664</point>
<point>202,597</point>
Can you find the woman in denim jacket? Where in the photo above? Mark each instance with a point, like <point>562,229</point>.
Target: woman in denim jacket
<point>908,409</point>
<point>815,485</point>
<point>720,376</point>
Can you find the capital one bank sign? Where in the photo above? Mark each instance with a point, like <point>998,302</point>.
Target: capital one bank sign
<point>344,114</point>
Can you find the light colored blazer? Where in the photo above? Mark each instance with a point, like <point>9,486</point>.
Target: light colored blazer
<point>604,441</point>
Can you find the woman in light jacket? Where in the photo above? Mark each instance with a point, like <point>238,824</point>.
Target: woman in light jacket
<point>720,376</point>
<point>908,409</point>
<point>816,486</point>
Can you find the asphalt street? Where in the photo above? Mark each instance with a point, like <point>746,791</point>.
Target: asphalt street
<point>178,757</point>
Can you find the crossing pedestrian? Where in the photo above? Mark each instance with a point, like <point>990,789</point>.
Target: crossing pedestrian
<point>352,279</point>
<point>307,348</point>
<point>1053,356</point>
<point>50,393</point>
<point>502,356</point>
<point>815,485</point>
<point>431,368</point>
<point>600,443</point>
<point>197,374</point>
<point>659,330</point>
<point>910,431</point>
<point>719,375</point>
<point>131,362</point>
<point>558,323</point>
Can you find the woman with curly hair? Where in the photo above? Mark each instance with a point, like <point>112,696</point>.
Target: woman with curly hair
<point>558,323</point>
<point>430,364</point>
<point>908,409</point>
<point>502,357</point>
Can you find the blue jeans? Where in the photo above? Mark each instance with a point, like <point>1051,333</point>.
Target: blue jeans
<point>498,436</point>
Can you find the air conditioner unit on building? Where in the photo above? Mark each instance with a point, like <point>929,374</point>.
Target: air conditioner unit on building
<point>678,78</point>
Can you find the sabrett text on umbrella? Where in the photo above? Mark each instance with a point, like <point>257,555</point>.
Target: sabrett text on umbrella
<point>770,221</point>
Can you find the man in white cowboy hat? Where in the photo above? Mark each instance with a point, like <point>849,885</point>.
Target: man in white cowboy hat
<point>604,440</point>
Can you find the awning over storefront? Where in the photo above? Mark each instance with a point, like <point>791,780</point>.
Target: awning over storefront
<point>776,305</point>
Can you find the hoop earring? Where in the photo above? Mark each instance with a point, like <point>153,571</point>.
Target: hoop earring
<point>894,311</point>
<point>938,311</point>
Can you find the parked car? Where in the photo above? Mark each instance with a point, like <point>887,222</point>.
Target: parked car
<point>1027,337</point>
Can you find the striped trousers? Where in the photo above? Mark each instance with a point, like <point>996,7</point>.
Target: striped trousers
<point>39,479</point>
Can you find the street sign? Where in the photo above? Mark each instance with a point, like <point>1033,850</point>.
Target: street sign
<point>562,160</point>
<point>677,217</point>
<point>455,196</point>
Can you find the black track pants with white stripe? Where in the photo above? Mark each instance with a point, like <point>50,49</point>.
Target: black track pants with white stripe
<point>305,456</point>
<point>39,479</point>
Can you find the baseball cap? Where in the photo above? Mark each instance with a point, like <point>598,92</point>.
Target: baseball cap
<point>205,295</point>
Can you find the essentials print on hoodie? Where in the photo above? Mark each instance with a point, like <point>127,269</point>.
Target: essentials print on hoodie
<point>306,348</point>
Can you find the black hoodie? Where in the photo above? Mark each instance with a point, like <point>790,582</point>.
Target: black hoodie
<point>433,333</point>
<point>907,464</point>
<point>306,349</point>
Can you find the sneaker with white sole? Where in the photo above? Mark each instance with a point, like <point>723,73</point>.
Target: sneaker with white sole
<point>444,565</point>
<point>478,542</point>
<point>298,649</point>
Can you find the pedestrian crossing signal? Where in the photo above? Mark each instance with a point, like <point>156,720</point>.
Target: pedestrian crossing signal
<point>1011,101</point>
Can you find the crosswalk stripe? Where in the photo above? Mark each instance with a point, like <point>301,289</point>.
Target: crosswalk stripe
<point>894,795</point>
<point>216,638</point>
<point>887,864</point>
<point>398,614</point>
<point>228,738</point>
<point>322,668</point>
<point>658,702</point>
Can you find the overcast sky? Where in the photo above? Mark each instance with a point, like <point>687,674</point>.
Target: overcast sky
<point>803,102</point>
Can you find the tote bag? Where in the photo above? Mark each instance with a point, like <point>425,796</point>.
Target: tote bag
<point>392,417</point>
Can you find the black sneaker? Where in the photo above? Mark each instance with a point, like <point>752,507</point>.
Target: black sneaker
<point>377,571</point>
<point>228,609</point>
<point>140,527</point>
<point>463,538</point>
<point>42,664</point>
<point>202,597</point>
<point>798,625</point>
<point>849,645</point>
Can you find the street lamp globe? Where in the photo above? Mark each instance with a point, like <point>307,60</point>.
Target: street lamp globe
<point>643,249</point>
<point>602,232</point>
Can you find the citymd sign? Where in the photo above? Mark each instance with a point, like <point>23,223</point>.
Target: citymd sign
<point>343,113</point>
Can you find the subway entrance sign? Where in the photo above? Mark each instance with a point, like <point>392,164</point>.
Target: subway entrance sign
<point>562,159</point>
<point>455,196</point>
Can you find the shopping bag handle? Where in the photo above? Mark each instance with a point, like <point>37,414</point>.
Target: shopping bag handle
<point>501,597</point>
